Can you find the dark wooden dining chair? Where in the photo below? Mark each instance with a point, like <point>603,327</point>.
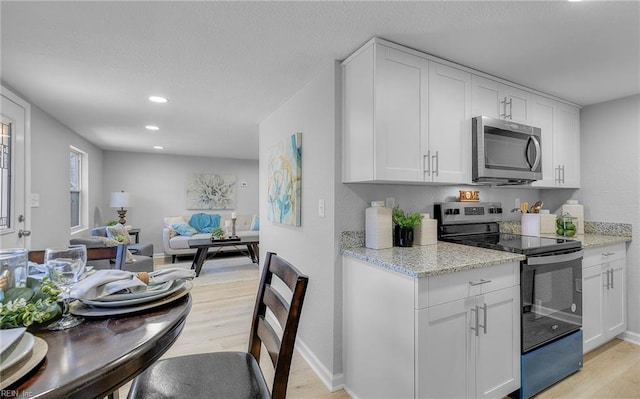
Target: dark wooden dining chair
<point>237,374</point>
<point>116,254</point>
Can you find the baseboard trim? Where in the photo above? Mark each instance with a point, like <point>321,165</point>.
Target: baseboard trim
<point>632,337</point>
<point>333,382</point>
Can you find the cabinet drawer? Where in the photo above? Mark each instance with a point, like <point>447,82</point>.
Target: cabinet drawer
<point>598,255</point>
<point>459,285</point>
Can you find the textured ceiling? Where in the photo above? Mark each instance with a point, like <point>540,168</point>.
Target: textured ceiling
<point>225,66</point>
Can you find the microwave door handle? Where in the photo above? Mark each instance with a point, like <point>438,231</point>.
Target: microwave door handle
<point>538,157</point>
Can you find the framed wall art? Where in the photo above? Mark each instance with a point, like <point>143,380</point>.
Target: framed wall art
<point>285,181</point>
<point>210,191</point>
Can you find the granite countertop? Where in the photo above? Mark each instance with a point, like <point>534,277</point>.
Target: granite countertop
<point>432,260</point>
<point>595,240</point>
<point>444,257</point>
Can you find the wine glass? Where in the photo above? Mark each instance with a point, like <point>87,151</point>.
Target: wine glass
<point>64,267</point>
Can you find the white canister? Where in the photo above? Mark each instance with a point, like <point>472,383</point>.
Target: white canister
<point>547,222</point>
<point>530,224</point>
<point>378,226</point>
<point>427,232</point>
<point>577,211</point>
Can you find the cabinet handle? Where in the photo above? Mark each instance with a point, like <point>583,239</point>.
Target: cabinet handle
<point>608,253</point>
<point>557,170</point>
<point>484,326</point>
<point>611,271</point>
<point>427,163</point>
<point>510,108</point>
<point>436,168</point>
<point>482,281</point>
<point>476,328</point>
<point>563,175</point>
<point>504,115</point>
<point>608,280</point>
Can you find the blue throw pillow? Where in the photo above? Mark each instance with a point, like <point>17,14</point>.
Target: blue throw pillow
<point>255,223</point>
<point>183,229</point>
<point>204,222</point>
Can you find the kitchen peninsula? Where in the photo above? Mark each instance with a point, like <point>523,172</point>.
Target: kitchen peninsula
<point>444,320</point>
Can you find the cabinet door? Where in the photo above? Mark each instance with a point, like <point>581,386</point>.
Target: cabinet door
<point>542,116</point>
<point>592,311</point>
<point>446,350</point>
<point>518,106</point>
<point>566,153</point>
<point>498,361</point>
<point>614,308</point>
<point>449,124</point>
<point>487,98</point>
<point>358,112</point>
<point>400,106</point>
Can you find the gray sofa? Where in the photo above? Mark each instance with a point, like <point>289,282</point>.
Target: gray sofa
<point>145,249</point>
<point>137,263</point>
<point>177,245</point>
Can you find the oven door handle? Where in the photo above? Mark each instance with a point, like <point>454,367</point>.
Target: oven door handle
<point>545,260</point>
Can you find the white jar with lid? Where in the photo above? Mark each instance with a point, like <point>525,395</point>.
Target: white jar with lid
<point>577,211</point>
<point>378,226</point>
<point>547,222</point>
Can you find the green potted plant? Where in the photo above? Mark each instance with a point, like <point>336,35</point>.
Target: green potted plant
<point>403,227</point>
<point>217,234</point>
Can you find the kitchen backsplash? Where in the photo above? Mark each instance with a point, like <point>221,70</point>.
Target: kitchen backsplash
<point>355,239</point>
<point>590,227</point>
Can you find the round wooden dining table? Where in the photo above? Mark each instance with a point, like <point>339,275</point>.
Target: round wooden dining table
<point>97,357</point>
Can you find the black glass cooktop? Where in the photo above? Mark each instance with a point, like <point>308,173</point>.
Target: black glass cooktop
<point>516,243</point>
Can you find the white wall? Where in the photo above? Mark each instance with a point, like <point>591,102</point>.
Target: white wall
<point>158,184</point>
<point>610,182</point>
<point>50,141</point>
<point>311,247</point>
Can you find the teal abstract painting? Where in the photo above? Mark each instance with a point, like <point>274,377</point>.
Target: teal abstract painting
<point>285,181</point>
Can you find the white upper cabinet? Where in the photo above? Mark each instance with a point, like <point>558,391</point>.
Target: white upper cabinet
<point>501,101</point>
<point>560,128</point>
<point>449,124</point>
<point>404,122</point>
<point>407,119</point>
<point>385,111</point>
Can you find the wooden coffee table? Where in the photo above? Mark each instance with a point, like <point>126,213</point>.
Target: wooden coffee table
<point>204,244</point>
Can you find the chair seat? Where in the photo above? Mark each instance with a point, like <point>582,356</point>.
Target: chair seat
<point>208,375</point>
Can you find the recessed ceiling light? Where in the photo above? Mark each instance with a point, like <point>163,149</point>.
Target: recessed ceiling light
<point>152,127</point>
<point>158,147</point>
<point>158,99</point>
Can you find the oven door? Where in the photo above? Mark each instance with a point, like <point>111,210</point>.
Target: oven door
<point>551,297</point>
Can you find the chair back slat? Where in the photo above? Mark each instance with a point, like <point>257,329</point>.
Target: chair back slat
<point>261,330</point>
<point>277,305</point>
<point>270,339</point>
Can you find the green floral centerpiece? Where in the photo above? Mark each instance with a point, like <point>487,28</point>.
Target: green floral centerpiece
<point>34,304</point>
<point>217,234</point>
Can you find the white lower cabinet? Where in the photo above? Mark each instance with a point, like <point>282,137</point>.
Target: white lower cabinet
<point>470,348</point>
<point>603,295</point>
<point>449,336</point>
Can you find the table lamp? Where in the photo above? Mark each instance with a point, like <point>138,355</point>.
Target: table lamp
<point>121,199</point>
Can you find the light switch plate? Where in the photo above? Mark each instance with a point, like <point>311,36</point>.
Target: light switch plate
<point>35,200</point>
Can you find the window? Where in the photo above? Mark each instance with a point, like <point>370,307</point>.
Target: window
<point>5,176</point>
<point>78,188</point>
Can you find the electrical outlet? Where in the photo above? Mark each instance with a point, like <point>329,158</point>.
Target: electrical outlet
<point>321,208</point>
<point>35,200</point>
<point>516,203</point>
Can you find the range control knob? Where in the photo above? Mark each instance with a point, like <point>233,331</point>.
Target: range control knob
<point>456,211</point>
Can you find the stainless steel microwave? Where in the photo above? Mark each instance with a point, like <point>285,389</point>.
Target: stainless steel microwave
<point>505,152</point>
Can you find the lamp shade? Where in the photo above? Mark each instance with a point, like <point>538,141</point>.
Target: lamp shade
<point>121,199</point>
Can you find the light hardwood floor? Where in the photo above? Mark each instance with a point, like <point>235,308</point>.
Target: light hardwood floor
<point>223,298</point>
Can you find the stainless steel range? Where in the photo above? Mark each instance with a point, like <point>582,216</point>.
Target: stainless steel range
<point>550,289</point>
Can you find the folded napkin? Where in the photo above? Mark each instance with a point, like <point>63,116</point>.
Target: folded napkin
<point>107,282</point>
